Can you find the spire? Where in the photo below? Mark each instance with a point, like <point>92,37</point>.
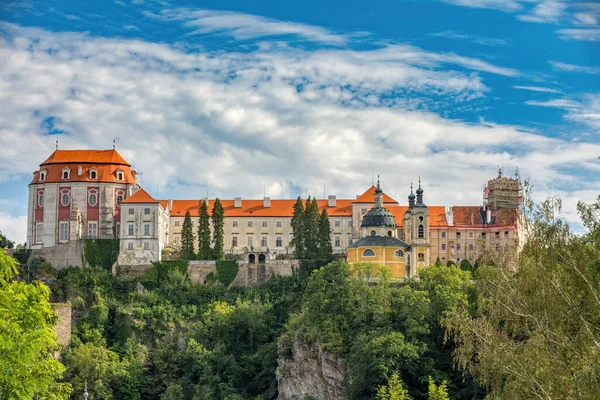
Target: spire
<point>420,194</point>
<point>411,197</point>
<point>499,172</point>
<point>114,144</point>
<point>56,144</point>
<point>378,195</point>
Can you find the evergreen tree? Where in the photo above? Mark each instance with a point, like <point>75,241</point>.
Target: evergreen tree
<point>204,250</point>
<point>298,228</point>
<point>218,221</point>
<point>438,262</point>
<point>187,238</point>
<point>311,229</point>
<point>325,249</point>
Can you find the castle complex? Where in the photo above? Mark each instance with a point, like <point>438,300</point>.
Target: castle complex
<point>83,194</point>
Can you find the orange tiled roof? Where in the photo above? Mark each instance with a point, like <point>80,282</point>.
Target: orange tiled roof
<point>254,208</point>
<point>437,215</point>
<point>369,197</point>
<point>86,156</point>
<point>466,215</point>
<point>140,197</point>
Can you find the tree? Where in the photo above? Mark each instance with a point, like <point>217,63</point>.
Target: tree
<point>437,392</point>
<point>204,250</point>
<point>394,390</point>
<point>325,249</point>
<point>5,243</point>
<point>534,334</point>
<point>218,221</point>
<point>298,228</point>
<point>28,368</point>
<point>450,263</point>
<point>465,265</point>
<point>438,262</point>
<point>311,229</point>
<point>187,238</point>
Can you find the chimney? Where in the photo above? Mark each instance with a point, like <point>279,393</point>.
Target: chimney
<point>237,202</point>
<point>79,170</point>
<point>488,216</point>
<point>331,200</point>
<point>267,202</point>
<point>170,205</point>
<point>449,216</point>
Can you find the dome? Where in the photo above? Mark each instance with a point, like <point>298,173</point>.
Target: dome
<point>411,196</point>
<point>419,190</point>
<point>378,216</point>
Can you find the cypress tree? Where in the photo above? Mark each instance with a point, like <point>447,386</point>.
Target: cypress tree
<point>298,228</point>
<point>218,221</point>
<point>187,238</point>
<point>204,250</point>
<point>438,262</point>
<point>311,229</point>
<point>325,249</point>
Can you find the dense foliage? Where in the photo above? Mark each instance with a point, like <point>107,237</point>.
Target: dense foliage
<point>5,243</point>
<point>187,238</point>
<point>101,253</point>
<point>312,231</point>
<point>204,250</point>
<point>218,222</point>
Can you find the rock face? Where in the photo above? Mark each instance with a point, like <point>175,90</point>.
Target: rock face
<point>308,371</point>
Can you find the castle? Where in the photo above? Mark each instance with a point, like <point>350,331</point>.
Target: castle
<point>83,194</point>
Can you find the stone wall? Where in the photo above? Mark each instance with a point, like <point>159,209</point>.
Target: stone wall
<point>62,255</point>
<point>199,269</point>
<point>252,274</point>
<point>63,326</point>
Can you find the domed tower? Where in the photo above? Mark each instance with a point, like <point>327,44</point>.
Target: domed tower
<point>379,243</point>
<point>416,231</point>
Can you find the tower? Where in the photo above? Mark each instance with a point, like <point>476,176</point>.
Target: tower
<point>416,232</point>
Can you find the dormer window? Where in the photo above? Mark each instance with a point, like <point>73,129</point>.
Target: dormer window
<point>42,175</point>
<point>79,170</point>
<point>66,173</point>
<point>93,173</point>
<point>120,176</point>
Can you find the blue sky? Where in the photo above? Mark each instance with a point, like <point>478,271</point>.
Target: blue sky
<point>289,98</point>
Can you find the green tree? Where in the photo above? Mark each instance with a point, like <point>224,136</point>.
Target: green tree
<point>187,238</point>
<point>5,243</point>
<point>394,390</point>
<point>450,263</point>
<point>437,392</point>
<point>465,265</point>
<point>311,229</point>
<point>438,262</point>
<point>534,334</point>
<point>28,368</point>
<point>325,249</point>
<point>218,222</point>
<point>297,223</point>
<point>204,250</point>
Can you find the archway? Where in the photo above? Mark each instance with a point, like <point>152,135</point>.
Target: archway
<point>261,258</point>
<point>252,259</point>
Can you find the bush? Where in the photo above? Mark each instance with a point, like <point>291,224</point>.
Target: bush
<point>227,270</point>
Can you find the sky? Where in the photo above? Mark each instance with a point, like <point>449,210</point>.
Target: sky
<point>247,98</point>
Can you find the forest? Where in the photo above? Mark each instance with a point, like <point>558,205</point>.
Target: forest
<point>515,326</point>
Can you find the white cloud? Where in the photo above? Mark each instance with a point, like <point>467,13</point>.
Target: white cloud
<point>537,89</point>
<point>245,26</point>
<point>585,18</point>
<point>558,103</point>
<point>546,11</point>
<point>590,35</point>
<point>287,118</point>
<point>502,5</point>
<point>575,68</point>
<point>471,38</point>
<point>586,112</point>
<point>14,228</point>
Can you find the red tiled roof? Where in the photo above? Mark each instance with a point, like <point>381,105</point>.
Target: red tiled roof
<point>466,215</point>
<point>86,156</point>
<point>140,197</point>
<point>369,197</point>
<point>437,215</point>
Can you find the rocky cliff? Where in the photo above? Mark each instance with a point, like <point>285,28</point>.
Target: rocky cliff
<point>306,371</point>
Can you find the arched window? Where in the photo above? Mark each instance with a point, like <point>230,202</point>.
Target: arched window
<point>119,176</point>
<point>398,253</point>
<point>373,233</point>
<point>421,219</point>
<point>92,199</point>
<point>65,173</point>
<point>421,232</point>
<point>390,233</point>
<point>119,200</point>
<point>43,176</point>
<point>368,253</point>
<point>93,173</point>
<point>64,199</point>
<point>41,200</point>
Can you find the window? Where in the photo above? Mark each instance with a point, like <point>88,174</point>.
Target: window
<point>249,242</point>
<point>470,234</point>
<point>497,235</point>
<point>443,246</point>
<point>349,223</point>
<point>119,176</point>
<point>505,233</point>
<point>337,241</point>
<point>264,224</point>
<point>483,235</point>
<point>398,253</point>
<point>146,211</point>
<point>130,211</point>
<point>146,229</point>
<point>235,224</point>
<point>119,200</point>
<point>497,246</point>
<point>65,173</point>
<point>349,240</point>
<point>64,199</point>
<point>390,233</point>
<point>41,200</point>
<point>146,246</point>
<point>176,223</point>
<point>458,235</point>
<point>420,219</point>
<point>443,235</point>
<point>130,246</point>
<point>43,176</point>
<point>373,233</point>
<point>363,211</point>
<point>279,224</point>
<point>93,174</point>
<point>368,253</point>
<point>130,230</point>
<point>63,231</point>
<point>421,256</point>
<point>457,246</point>
<point>471,246</point>
<point>39,232</point>
<point>278,242</point>
<point>249,224</point>
<point>337,223</point>
<point>263,241</point>
<point>92,199</point>
<point>234,241</point>
<point>421,232</point>
<point>92,230</point>
<point>443,258</point>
